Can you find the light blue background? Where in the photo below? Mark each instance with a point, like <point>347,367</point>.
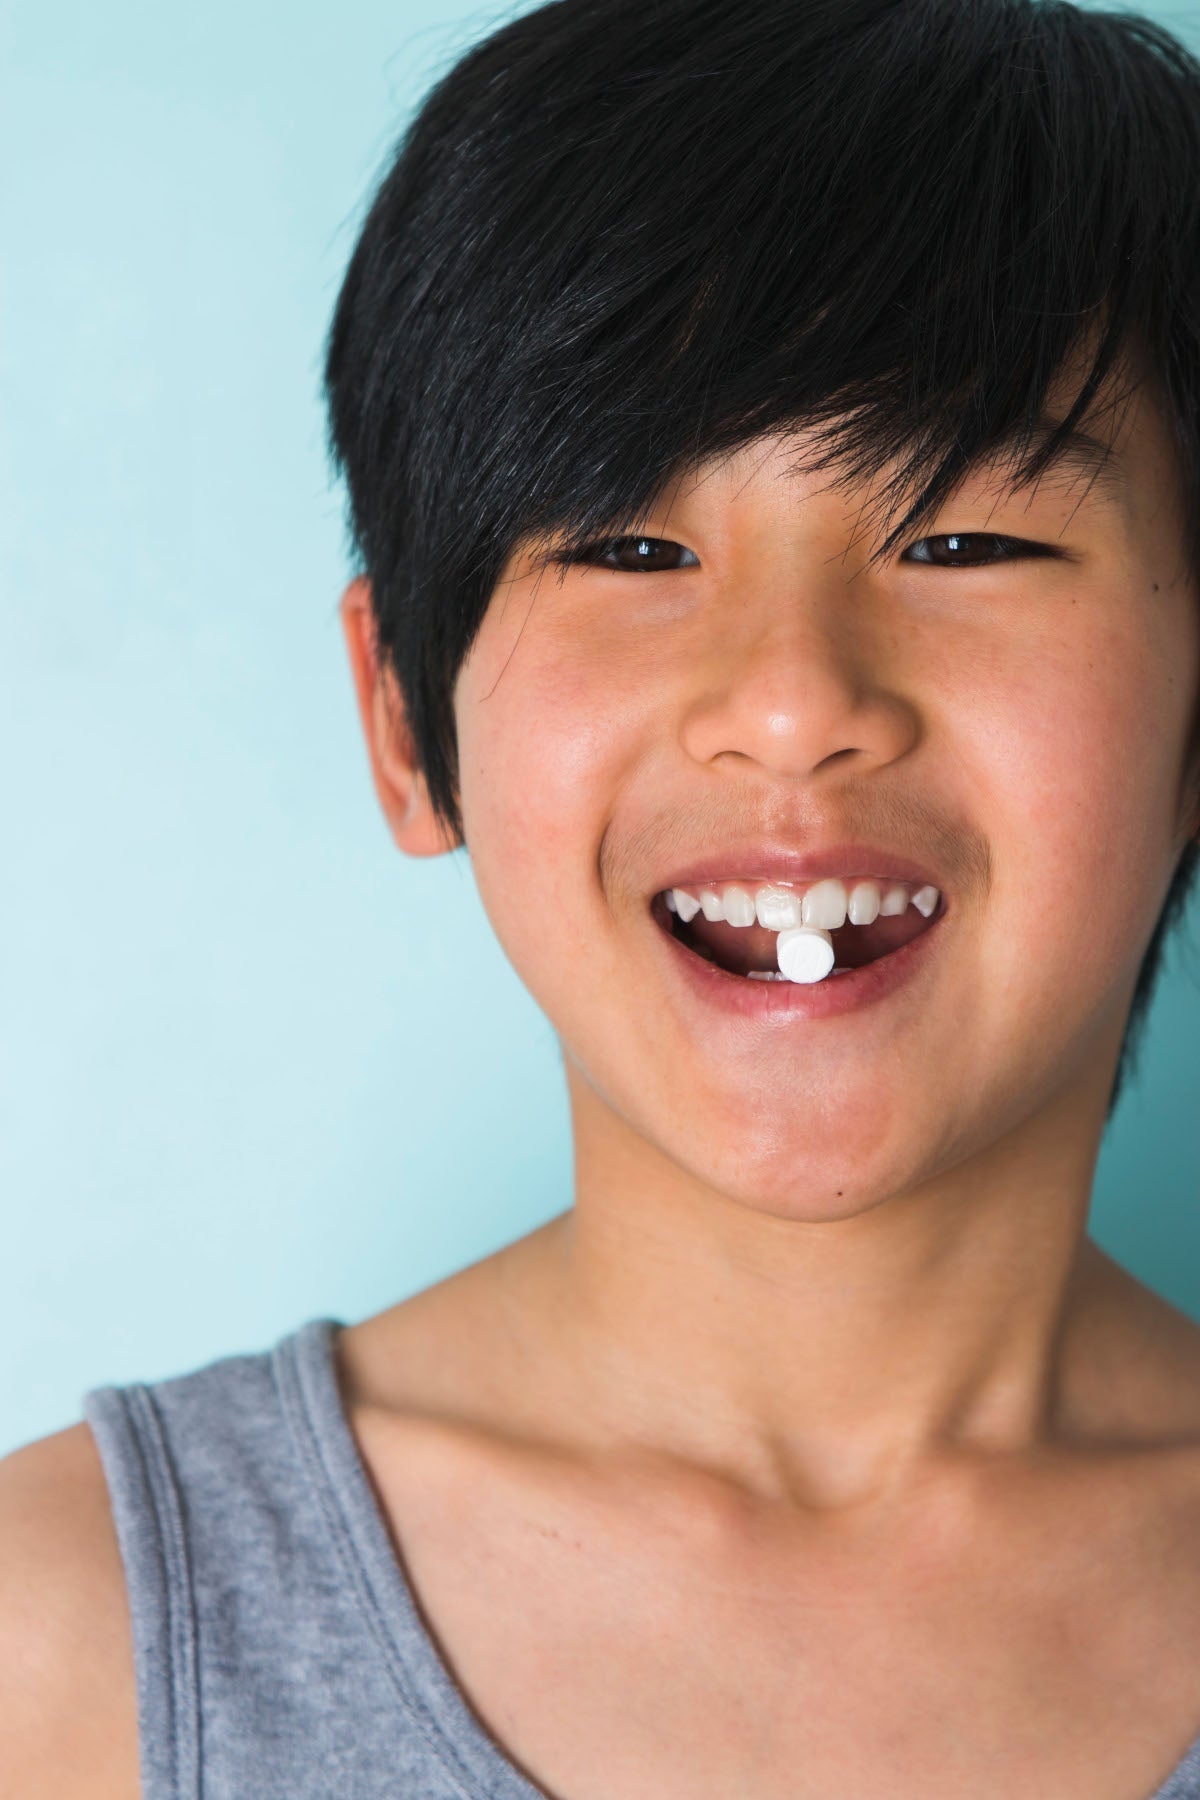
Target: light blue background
<point>255,1065</point>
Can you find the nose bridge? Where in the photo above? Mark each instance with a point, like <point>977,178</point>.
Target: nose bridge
<point>803,608</point>
<point>793,675</point>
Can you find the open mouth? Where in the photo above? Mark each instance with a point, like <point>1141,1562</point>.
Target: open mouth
<point>751,950</point>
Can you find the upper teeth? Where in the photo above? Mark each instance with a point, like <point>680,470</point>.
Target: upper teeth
<point>782,905</point>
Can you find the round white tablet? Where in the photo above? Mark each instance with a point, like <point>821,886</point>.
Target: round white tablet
<point>804,953</point>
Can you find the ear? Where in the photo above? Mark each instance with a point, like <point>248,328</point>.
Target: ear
<point>399,782</point>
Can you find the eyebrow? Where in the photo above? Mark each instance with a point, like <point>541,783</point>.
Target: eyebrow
<point>1077,450</point>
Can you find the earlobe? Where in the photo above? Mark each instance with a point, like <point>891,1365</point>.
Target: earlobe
<point>399,783</point>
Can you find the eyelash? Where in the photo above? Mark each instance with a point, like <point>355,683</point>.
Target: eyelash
<point>593,554</point>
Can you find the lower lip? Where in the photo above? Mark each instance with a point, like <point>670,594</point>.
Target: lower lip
<point>786,1000</point>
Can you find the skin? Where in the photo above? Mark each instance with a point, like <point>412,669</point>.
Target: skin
<point>864,1277</point>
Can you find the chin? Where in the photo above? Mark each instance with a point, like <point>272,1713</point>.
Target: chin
<point>800,1183</point>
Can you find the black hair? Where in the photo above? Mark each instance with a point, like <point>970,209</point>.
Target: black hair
<point>623,237</point>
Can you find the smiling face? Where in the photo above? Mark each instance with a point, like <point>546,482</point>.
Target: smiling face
<point>1010,714</point>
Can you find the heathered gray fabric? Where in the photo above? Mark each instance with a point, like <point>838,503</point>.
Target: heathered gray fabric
<point>279,1650</point>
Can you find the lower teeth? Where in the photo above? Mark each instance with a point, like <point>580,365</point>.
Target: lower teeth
<point>778,975</point>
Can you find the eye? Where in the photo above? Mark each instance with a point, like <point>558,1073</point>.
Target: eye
<point>630,554</point>
<point>965,550</point>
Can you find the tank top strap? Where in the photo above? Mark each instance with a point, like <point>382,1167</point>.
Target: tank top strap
<point>1183,1783</point>
<point>279,1649</point>
<point>148,1517</point>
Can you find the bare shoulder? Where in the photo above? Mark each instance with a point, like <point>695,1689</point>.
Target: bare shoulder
<point>67,1693</point>
<point>1133,1363</point>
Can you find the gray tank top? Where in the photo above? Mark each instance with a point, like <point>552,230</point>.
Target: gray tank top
<point>279,1650</point>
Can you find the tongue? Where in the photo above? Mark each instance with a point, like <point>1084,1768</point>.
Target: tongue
<point>741,948</point>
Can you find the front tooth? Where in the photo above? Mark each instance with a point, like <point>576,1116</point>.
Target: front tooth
<point>925,899</point>
<point>714,911</point>
<point>825,905</point>
<point>894,901</point>
<point>686,905</point>
<point>739,906</point>
<point>777,908</point>
<point>864,903</point>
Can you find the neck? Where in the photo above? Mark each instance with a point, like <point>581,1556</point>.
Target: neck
<point>827,1360</point>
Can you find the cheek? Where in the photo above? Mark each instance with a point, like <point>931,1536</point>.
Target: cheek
<point>545,735</point>
<point>1079,788</point>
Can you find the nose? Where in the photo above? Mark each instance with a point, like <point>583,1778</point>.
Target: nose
<point>800,681</point>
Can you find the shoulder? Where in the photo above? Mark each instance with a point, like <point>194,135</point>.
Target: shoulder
<point>67,1687</point>
<point>1133,1363</point>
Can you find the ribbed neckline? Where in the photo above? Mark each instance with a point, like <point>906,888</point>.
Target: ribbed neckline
<point>306,1375</point>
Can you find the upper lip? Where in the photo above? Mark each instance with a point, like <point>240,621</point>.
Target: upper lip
<point>774,862</point>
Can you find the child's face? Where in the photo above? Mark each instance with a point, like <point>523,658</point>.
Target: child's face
<point>1019,727</point>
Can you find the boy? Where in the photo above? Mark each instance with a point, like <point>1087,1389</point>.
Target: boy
<point>771,437</point>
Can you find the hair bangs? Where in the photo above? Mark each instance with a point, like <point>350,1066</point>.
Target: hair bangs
<point>954,222</point>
